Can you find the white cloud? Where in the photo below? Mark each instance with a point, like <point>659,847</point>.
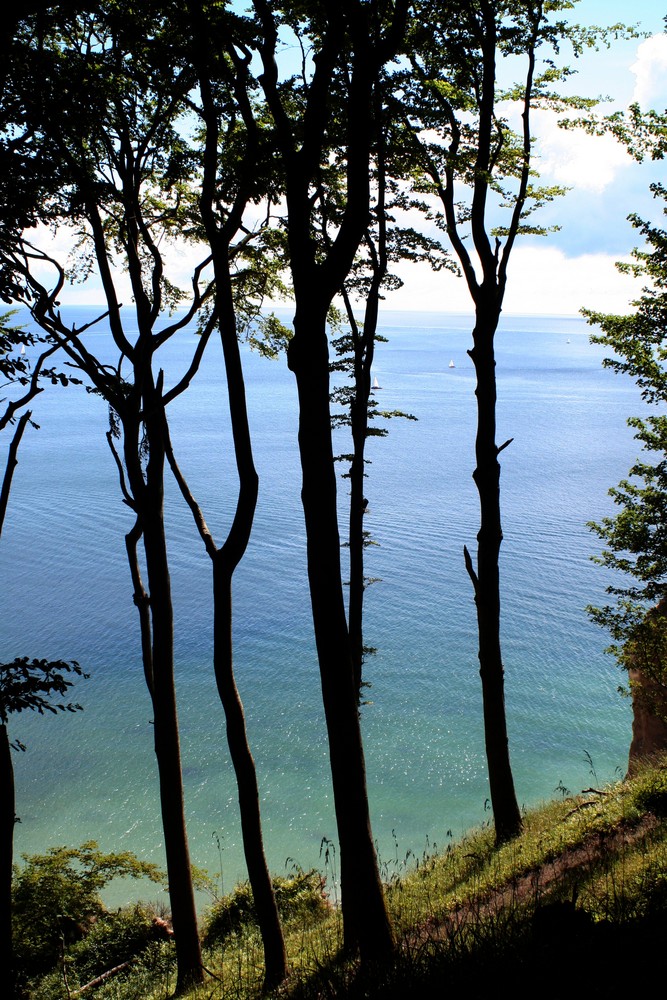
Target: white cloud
<point>650,70</point>
<point>541,281</point>
<point>575,159</point>
<point>569,157</point>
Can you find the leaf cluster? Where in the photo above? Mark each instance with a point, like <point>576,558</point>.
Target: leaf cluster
<point>31,685</point>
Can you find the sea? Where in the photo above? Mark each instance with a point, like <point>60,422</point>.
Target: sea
<point>67,594</point>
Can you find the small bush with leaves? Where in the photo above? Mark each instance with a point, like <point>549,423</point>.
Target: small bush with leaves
<point>56,898</point>
<point>299,896</point>
<point>651,794</point>
<point>115,938</point>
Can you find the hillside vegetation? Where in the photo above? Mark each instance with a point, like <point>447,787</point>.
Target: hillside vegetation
<point>577,906</point>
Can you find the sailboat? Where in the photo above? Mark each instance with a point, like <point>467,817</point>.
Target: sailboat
<point>376,384</point>
<point>452,365</point>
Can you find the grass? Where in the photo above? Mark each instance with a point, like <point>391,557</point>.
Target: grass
<point>577,906</point>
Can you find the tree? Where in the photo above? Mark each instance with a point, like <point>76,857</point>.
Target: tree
<point>328,113</point>
<point>636,537</point>
<point>25,685</point>
<point>112,125</point>
<point>231,179</point>
<point>474,165</point>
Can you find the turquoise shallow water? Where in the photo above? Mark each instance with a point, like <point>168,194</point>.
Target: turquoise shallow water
<point>67,594</point>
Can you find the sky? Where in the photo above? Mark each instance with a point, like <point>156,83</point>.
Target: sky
<point>574,267</point>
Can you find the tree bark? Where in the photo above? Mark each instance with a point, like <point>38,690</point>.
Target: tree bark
<point>12,462</point>
<point>486,581</point>
<point>225,562</point>
<point>7,820</point>
<point>275,959</point>
<point>166,732</point>
<point>366,924</point>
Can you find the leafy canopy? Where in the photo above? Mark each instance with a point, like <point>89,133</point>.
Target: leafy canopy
<point>635,538</point>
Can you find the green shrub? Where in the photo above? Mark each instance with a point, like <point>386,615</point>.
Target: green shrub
<point>56,899</point>
<point>651,794</point>
<point>115,938</point>
<point>298,896</point>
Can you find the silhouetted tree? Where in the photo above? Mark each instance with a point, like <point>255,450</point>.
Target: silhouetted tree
<point>328,112</point>
<point>232,179</point>
<point>110,122</point>
<point>25,685</point>
<point>474,165</point>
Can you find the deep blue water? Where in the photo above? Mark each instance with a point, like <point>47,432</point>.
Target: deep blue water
<point>67,594</point>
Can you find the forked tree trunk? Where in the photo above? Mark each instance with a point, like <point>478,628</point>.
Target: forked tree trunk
<point>365,920</point>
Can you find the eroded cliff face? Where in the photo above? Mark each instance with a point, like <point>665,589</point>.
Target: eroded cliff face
<point>649,711</point>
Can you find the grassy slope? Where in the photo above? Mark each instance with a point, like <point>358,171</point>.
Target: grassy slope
<point>576,907</point>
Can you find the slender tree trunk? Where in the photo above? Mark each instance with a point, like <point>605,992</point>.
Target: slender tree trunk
<point>7,820</point>
<point>225,562</point>
<point>506,813</point>
<point>364,351</point>
<point>275,959</point>
<point>359,420</point>
<point>226,559</point>
<point>167,741</point>
<point>12,462</point>
<point>365,920</point>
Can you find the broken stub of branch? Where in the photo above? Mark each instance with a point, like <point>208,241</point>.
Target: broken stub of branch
<point>470,568</point>
<point>503,446</point>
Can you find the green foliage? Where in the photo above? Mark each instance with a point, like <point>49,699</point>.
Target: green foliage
<point>636,537</point>
<point>14,367</point>
<point>56,898</point>
<point>114,938</point>
<point>650,792</point>
<point>30,684</point>
<point>300,897</point>
<point>468,912</point>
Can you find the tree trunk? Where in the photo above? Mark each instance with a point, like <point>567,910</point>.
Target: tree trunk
<point>506,813</point>
<point>359,420</point>
<point>7,820</point>
<point>12,462</point>
<point>167,742</point>
<point>275,959</point>
<point>225,562</point>
<point>365,920</point>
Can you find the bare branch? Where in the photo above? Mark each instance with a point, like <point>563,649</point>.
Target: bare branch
<point>196,510</point>
<point>503,446</point>
<point>12,462</point>
<point>469,567</point>
<point>127,496</point>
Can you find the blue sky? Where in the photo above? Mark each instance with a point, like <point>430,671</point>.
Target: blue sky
<point>574,267</point>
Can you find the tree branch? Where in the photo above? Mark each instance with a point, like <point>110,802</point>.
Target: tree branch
<point>471,571</point>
